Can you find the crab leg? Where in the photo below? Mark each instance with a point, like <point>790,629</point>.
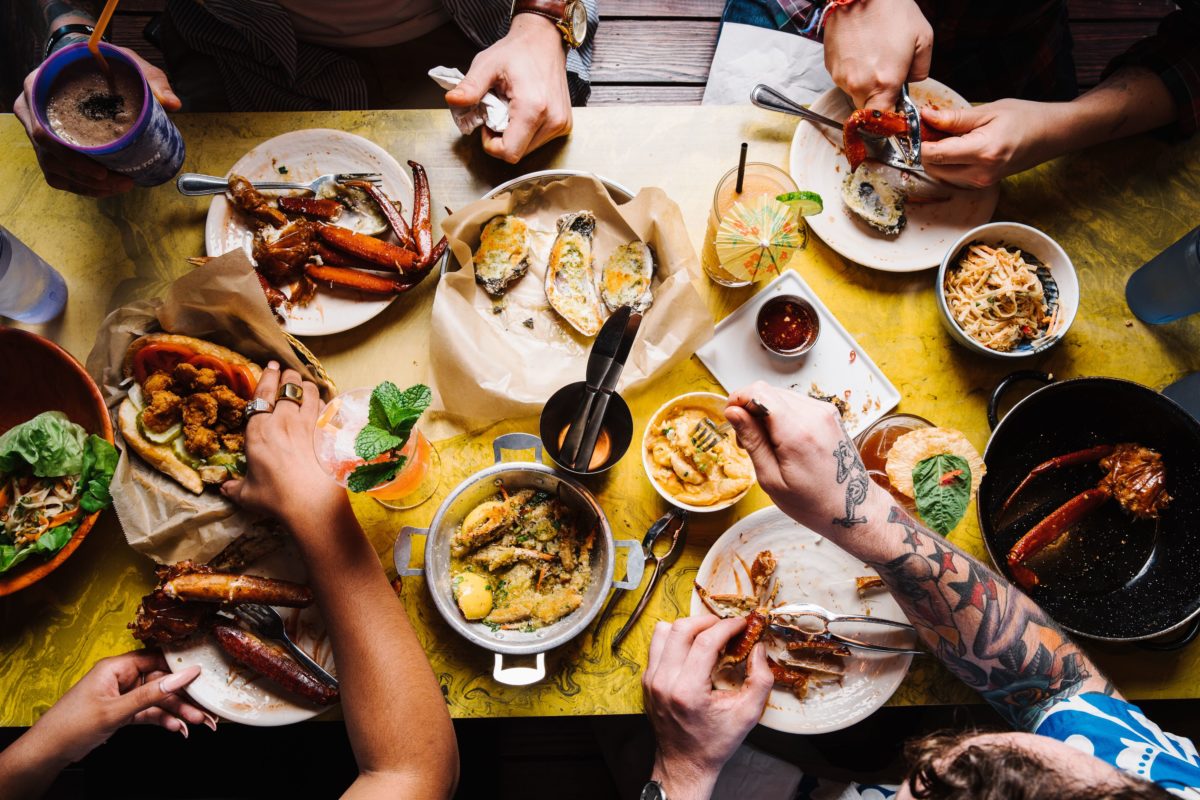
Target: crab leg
<point>311,207</point>
<point>248,199</point>
<point>390,210</point>
<point>383,255</point>
<point>874,121</point>
<point>1067,460</point>
<point>346,278</point>
<point>725,606</point>
<point>422,224</point>
<point>739,646</point>
<point>333,258</point>
<point>1049,530</point>
<point>216,587</point>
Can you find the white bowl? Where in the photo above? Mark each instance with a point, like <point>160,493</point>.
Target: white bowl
<point>714,403</point>
<point>1038,244</point>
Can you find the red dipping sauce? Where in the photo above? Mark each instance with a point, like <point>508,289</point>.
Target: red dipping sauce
<point>788,325</point>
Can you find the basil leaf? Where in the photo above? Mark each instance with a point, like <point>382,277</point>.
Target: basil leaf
<point>942,485</point>
<point>368,476</point>
<point>373,441</point>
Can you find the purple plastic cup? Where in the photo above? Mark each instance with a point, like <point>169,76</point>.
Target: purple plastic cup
<point>151,152</point>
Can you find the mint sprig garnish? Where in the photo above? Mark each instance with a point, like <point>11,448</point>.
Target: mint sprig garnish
<point>390,420</point>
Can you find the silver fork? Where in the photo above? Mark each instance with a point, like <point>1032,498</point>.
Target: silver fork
<point>193,183</point>
<point>912,147</point>
<point>879,148</point>
<point>266,622</point>
<point>708,434</point>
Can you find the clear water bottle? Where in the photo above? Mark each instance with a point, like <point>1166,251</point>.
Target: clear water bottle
<point>1167,287</point>
<point>30,289</point>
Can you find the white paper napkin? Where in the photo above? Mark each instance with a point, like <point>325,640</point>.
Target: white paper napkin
<point>748,55</point>
<point>491,111</point>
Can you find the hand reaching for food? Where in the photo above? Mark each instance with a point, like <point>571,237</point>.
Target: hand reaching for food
<point>803,457</point>
<point>872,47</point>
<point>528,67</point>
<point>696,726</point>
<point>134,688</point>
<point>283,478</point>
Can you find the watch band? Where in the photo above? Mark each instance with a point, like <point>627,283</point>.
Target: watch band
<point>59,33</point>
<point>654,791</point>
<point>553,10</point>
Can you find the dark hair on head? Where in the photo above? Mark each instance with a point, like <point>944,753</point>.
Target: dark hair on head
<point>1001,772</point>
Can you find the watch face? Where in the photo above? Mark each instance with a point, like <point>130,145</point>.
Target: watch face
<point>653,791</point>
<point>577,19</point>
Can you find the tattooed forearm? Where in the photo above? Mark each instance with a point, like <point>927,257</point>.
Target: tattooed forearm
<point>995,639</point>
<point>850,471</point>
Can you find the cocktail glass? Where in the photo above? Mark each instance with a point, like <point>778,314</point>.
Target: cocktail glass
<point>333,442</point>
<point>759,179</point>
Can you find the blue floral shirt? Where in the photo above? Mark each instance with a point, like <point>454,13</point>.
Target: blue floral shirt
<point>1112,730</point>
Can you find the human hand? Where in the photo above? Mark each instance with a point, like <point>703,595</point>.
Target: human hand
<point>529,68</point>
<point>698,727</point>
<point>873,46</point>
<point>132,688</point>
<point>283,478</point>
<point>803,457</point>
<point>74,172</point>
<point>990,142</point>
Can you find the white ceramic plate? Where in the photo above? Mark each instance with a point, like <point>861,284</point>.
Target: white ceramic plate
<point>819,165</point>
<point>811,570</point>
<point>836,365</point>
<point>234,692</point>
<point>306,155</point>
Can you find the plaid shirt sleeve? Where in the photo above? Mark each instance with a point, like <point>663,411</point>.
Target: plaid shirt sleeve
<point>1174,55</point>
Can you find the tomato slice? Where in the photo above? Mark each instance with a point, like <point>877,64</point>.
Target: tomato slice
<point>158,357</point>
<point>244,383</point>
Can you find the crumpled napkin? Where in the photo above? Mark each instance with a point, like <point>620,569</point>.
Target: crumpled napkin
<point>491,111</point>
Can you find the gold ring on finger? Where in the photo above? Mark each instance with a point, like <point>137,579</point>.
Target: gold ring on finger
<point>290,391</point>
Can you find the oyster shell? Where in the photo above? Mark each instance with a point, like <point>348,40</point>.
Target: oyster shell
<point>570,284</point>
<point>503,254</point>
<point>874,198</point>
<point>626,278</point>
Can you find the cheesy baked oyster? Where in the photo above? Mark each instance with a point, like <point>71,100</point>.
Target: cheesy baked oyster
<point>687,474</point>
<point>520,561</point>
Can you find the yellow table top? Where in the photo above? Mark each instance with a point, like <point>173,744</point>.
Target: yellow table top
<point>1111,209</point>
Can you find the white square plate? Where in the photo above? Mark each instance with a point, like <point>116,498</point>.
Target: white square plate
<point>836,365</point>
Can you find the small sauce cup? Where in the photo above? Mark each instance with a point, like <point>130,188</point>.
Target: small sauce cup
<point>788,325</point>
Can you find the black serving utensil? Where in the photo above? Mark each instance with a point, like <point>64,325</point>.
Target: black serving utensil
<point>604,349</point>
<point>595,420</point>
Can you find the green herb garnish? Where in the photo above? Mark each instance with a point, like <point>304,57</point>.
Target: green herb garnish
<point>942,485</point>
<point>391,418</point>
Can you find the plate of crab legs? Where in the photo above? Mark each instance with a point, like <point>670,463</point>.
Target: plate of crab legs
<point>766,560</point>
<point>320,274</point>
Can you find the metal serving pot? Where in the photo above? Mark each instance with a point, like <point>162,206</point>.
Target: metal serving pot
<point>481,486</point>
<point>1119,579</point>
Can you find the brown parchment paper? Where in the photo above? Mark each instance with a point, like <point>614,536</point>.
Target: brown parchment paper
<point>223,303</point>
<point>494,359</point>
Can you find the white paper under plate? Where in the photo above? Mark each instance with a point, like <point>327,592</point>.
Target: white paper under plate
<point>836,365</point>
<point>811,570</point>
<point>239,695</point>
<point>307,155</point>
<point>819,165</point>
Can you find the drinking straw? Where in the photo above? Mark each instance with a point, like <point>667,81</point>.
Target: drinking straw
<point>741,161</point>
<point>94,40</point>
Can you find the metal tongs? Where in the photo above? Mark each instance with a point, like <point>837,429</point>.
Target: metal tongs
<point>814,620</point>
<point>670,526</point>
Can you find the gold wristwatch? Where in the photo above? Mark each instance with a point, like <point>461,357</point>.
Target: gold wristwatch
<point>569,16</point>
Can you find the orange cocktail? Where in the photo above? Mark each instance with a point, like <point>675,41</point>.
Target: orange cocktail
<point>333,442</point>
<point>759,179</point>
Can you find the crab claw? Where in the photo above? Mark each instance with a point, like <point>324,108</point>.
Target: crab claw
<point>1067,460</point>
<point>1049,530</point>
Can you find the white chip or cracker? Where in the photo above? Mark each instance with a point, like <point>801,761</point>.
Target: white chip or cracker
<point>915,446</point>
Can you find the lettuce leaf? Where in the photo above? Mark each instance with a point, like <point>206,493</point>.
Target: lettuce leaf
<point>99,463</point>
<point>49,542</point>
<point>49,445</point>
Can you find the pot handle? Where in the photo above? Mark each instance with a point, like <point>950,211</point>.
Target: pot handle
<point>635,564</point>
<point>1180,641</point>
<point>519,676</point>
<point>1003,386</point>
<point>517,441</point>
<point>402,551</point>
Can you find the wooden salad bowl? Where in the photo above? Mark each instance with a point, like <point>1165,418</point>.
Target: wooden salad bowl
<point>41,376</point>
